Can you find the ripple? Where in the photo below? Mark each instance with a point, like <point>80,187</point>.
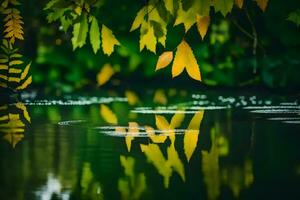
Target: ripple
<point>115,131</point>
<point>71,122</point>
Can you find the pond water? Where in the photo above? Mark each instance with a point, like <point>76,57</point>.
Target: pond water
<point>151,144</point>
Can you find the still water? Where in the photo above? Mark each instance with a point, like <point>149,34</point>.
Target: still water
<point>151,144</point>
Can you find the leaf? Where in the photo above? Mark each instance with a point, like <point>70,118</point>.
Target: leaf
<point>156,157</point>
<point>161,122</point>
<point>25,72</point>
<point>160,97</point>
<point>139,19</point>
<point>108,40</point>
<point>132,97</point>
<point>177,120</point>
<point>155,138</point>
<point>95,35</point>
<point>108,115</point>
<point>185,58</point>
<point>105,74</point>
<point>224,6</point>
<point>164,60</point>
<point>239,3</point>
<point>170,6</point>
<point>22,107</point>
<point>190,139</point>
<point>147,37</point>
<point>80,31</point>
<point>25,84</point>
<point>295,17</point>
<point>262,4</point>
<point>202,25</point>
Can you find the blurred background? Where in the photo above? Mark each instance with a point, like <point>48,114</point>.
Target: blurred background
<point>225,56</point>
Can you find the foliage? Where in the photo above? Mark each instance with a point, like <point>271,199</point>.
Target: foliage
<point>11,75</point>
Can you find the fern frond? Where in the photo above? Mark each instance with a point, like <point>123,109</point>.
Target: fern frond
<point>13,25</point>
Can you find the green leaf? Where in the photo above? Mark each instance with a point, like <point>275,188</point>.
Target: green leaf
<point>80,31</point>
<point>95,35</point>
<point>294,17</point>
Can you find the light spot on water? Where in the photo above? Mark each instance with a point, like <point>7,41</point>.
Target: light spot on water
<point>71,122</point>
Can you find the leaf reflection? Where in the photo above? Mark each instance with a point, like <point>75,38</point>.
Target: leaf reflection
<point>132,185</point>
<point>13,120</point>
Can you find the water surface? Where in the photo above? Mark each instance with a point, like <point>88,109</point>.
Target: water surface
<point>151,144</point>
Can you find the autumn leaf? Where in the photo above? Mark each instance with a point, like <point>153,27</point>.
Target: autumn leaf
<point>262,4</point>
<point>161,122</point>
<point>191,135</point>
<point>108,40</point>
<point>202,25</point>
<point>160,97</point>
<point>164,60</point>
<point>108,115</point>
<point>105,74</point>
<point>239,3</point>
<point>132,97</point>
<point>185,59</point>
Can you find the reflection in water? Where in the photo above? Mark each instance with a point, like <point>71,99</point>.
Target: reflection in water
<point>133,185</point>
<point>234,176</point>
<point>175,151</point>
<point>52,188</point>
<point>13,120</point>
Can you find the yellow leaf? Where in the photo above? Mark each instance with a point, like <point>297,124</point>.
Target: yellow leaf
<point>105,74</point>
<point>202,25</point>
<point>14,71</point>
<point>164,60</point>
<point>132,97</point>
<point>262,4</point>
<point>175,162</point>
<point>21,106</point>
<point>185,58</point>
<point>191,135</point>
<point>25,72</point>
<point>177,120</point>
<point>155,138</point>
<point>108,115</point>
<point>147,38</point>
<point>13,138</point>
<point>15,62</point>
<point>161,122</point>
<point>160,97</point>
<point>155,156</point>
<point>239,3</point>
<point>139,18</point>
<point>25,84</point>
<point>108,40</point>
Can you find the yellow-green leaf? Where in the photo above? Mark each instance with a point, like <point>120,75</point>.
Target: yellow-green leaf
<point>139,18</point>
<point>164,60</point>
<point>185,59</point>
<point>108,40</point>
<point>177,119</point>
<point>147,37</point>
<point>108,115</point>
<point>202,25</point>
<point>95,35</point>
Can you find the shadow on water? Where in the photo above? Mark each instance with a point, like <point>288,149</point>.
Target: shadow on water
<point>161,144</point>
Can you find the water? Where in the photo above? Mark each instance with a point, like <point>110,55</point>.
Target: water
<point>160,144</point>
